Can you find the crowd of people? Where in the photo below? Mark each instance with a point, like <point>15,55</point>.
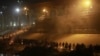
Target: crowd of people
<point>44,48</point>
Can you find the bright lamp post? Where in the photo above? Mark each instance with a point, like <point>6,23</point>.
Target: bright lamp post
<point>2,20</point>
<point>87,3</point>
<point>26,13</point>
<point>45,12</point>
<point>17,10</point>
<point>26,10</point>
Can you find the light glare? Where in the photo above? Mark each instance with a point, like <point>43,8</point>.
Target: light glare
<point>34,23</point>
<point>44,10</point>
<point>1,12</point>
<point>25,8</point>
<point>87,3</point>
<point>17,10</point>
<point>14,24</point>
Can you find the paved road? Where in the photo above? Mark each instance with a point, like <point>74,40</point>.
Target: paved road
<point>70,38</point>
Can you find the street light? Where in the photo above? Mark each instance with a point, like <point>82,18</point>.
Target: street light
<point>17,11</point>
<point>45,10</point>
<point>1,12</point>
<point>87,3</point>
<point>27,16</point>
<point>26,9</point>
<point>44,14</point>
<point>14,24</point>
<point>2,19</point>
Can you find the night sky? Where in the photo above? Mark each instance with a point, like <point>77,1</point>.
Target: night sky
<point>12,2</point>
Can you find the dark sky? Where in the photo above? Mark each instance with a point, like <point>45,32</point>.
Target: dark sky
<point>11,2</point>
<point>7,2</point>
<point>14,3</point>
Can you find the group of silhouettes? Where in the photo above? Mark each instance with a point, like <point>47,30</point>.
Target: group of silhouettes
<point>36,48</point>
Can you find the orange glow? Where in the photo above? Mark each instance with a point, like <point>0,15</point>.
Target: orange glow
<point>11,42</point>
<point>25,8</point>
<point>87,3</point>
<point>81,38</point>
<point>45,10</point>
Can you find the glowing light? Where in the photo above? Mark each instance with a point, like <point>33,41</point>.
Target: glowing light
<point>14,24</point>
<point>17,10</point>
<point>1,12</point>
<point>87,3</point>
<point>45,10</point>
<point>61,47</point>
<point>11,42</point>
<point>25,8</point>
<point>1,55</point>
<point>72,49</point>
<point>34,23</point>
<point>22,24</point>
